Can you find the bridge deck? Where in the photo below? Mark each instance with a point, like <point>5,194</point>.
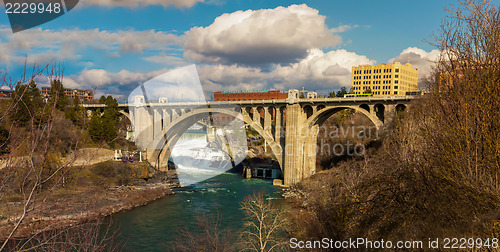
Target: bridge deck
<point>280,101</point>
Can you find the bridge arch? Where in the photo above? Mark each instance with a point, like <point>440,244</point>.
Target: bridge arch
<point>365,107</point>
<point>125,114</point>
<point>177,127</point>
<point>308,110</point>
<point>322,115</point>
<point>400,108</point>
<point>379,110</point>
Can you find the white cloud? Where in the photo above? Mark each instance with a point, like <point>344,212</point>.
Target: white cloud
<point>319,70</point>
<point>252,37</point>
<point>419,59</point>
<point>67,44</point>
<point>141,3</point>
<point>165,59</point>
<point>99,78</point>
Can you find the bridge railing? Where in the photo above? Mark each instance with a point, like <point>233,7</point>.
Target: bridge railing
<point>280,101</point>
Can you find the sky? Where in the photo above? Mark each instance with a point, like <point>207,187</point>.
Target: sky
<point>111,46</point>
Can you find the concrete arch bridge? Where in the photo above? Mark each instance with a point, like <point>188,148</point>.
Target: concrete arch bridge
<point>289,126</point>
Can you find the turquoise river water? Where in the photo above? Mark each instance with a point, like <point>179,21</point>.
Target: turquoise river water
<point>154,226</point>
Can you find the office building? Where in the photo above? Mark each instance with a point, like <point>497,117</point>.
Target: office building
<point>384,79</point>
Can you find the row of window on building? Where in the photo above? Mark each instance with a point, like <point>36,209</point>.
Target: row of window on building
<point>378,92</point>
<point>369,77</point>
<point>375,87</point>
<point>374,82</point>
<point>84,95</point>
<point>386,70</point>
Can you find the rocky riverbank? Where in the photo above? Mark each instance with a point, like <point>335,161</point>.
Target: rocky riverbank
<point>84,201</point>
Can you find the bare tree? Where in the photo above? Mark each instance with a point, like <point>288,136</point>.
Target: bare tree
<point>92,235</point>
<point>213,237</point>
<point>463,112</point>
<point>32,169</point>
<point>264,226</point>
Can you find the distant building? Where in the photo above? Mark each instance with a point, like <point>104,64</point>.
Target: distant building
<point>83,95</point>
<point>246,95</point>
<point>249,95</point>
<point>384,79</point>
<point>5,93</point>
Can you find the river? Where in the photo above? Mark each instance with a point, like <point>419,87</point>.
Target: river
<point>154,226</point>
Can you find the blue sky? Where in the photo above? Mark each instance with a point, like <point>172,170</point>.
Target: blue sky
<point>112,45</point>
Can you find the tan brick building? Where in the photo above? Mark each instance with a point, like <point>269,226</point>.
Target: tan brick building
<point>384,79</point>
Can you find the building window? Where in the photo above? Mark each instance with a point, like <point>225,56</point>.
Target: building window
<point>397,70</point>
<point>395,92</point>
<point>395,87</point>
<point>396,81</point>
<point>396,76</point>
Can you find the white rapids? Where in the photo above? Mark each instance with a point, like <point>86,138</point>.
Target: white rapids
<point>196,161</point>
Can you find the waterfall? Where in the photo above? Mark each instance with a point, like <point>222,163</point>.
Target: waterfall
<point>196,161</point>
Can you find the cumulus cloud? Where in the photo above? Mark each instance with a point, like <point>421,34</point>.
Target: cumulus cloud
<point>281,35</point>
<point>66,44</point>
<point>118,84</point>
<point>319,70</point>
<point>141,3</point>
<point>419,59</point>
<point>97,78</point>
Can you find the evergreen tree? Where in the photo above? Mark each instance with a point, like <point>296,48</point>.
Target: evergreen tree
<point>58,95</point>
<point>76,113</point>
<point>110,119</point>
<point>109,126</point>
<point>342,92</point>
<point>28,104</point>
<point>102,99</point>
<point>4,140</point>
<point>95,127</point>
<point>105,127</point>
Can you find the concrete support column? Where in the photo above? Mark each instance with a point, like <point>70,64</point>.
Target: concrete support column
<point>256,115</point>
<point>174,114</point>
<point>372,109</point>
<point>389,114</point>
<point>277,130</point>
<point>310,139</point>
<point>267,122</point>
<point>293,145</point>
<point>166,118</point>
<point>157,123</point>
<point>143,123</point>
